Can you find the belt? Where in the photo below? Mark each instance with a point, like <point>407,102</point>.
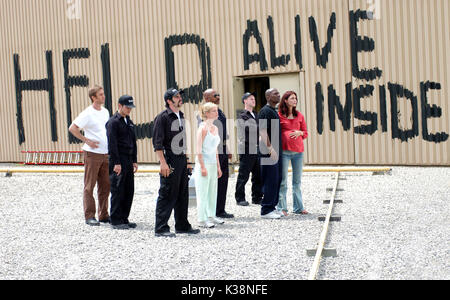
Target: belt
<point>170,153</point>
<point>129,152</point>
<point>98,154</point>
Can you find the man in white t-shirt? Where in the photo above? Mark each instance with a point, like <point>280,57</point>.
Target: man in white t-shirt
<point>96,167</point>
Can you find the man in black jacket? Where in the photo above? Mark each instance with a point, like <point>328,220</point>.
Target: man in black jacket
<point>248,137</point>
<point>122,151</point>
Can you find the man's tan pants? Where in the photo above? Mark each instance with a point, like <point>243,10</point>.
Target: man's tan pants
<point>96,171</point>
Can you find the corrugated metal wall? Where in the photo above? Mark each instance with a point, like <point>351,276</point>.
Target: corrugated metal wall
<point>411,38</point>
<point>410,42</point>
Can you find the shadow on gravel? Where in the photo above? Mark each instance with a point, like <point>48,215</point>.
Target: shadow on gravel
<point>205,235</point>
<point>246,219</point>
<point>143,227</point>
<point>233,225</point>
<point>144,193</point>
<point>308,217</point>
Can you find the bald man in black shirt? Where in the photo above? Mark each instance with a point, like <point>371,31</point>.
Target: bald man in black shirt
<point>271,164</point>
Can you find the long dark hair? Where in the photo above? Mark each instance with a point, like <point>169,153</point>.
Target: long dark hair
<point>283,108</point>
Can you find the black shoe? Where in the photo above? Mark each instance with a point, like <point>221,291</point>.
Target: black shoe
<point>132,225</point>
<point>106,221</point>
<point>243,203</point>
<point>257,202</point>
<point>120,227</point>
<point>189,231</point>
<point>225,215</point>
<point>165,234</point>
<point>92,222</point>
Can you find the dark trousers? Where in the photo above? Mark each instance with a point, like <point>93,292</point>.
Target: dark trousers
<point>122,190</point>
<point>173,195</point>
<point>249,164</point>
<point>222,184</point>
<point>272,176</point>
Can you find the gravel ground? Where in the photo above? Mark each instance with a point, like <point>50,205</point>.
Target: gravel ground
<point>393,227</point>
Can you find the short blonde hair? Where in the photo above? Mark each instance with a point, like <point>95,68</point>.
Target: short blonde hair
<point>205,108</point>
<point>94,90</point>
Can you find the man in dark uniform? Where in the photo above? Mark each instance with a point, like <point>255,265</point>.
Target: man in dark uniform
<point>271,152</point>
<point>169,141</point>
<point>122,152</point>
<point>212,96</point>
<point>248,153</point>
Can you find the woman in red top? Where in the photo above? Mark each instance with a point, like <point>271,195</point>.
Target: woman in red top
<point>293,132</point>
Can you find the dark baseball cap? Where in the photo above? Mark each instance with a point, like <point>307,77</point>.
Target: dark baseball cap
<point>127,101</point>
<point>246,95</point>
<point>170,93</point>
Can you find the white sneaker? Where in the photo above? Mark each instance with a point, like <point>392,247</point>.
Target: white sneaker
<point>206,224</point>
<point>271,215</point>
<point>280,213</point>
<point>216,220</point>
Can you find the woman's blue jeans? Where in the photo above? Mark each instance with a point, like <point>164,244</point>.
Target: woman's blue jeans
<point>297,169</point>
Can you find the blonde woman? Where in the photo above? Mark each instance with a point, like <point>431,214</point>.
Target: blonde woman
<point>207,168</point>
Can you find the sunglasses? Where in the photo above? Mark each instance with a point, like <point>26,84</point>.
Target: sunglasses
<point>216,95</point>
